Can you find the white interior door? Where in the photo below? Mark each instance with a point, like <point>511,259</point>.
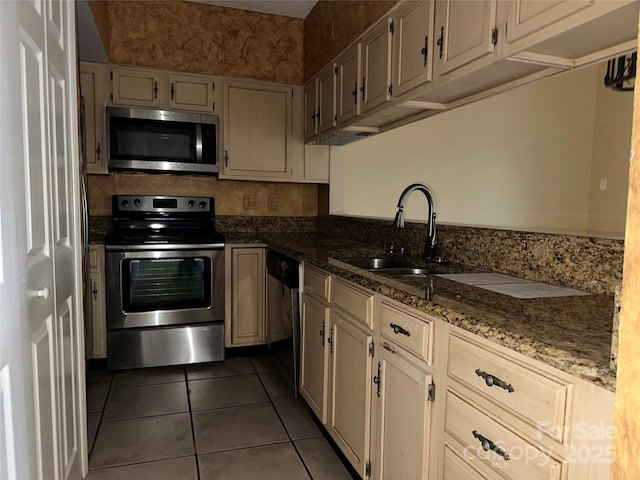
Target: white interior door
<point>43,246</point>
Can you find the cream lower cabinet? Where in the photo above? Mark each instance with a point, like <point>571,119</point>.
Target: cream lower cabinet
<point>314,345</point>
<point>244,296</point>
<point>506,415</point>
<point>402,416</point>
<point>95,307</point>
<point>350,380</point>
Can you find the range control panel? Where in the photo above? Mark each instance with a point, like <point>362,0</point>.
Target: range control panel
<point>161,204</point>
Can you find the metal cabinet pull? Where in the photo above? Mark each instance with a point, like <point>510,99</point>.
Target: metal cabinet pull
<point>389,348</point>
<point>98,152</point>
<point>489,445</point>
<point>95,291</point>
<point>173,91</point>
<point>313,117</point>
<point>330,340</point>
<point>398,329</point>
<point>355,93</point>
<point>440,41</point>
<point>226,158</point>
<point>377,379</point>
<point>425,50</point>
<point>322,334</point>
<point>491,380</point>
<point>362,88</point>
<point>155,89</point>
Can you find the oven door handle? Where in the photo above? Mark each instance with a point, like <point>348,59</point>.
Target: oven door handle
<point>164,246</point>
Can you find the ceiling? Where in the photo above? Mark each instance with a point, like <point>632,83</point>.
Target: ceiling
<point>288,8</point>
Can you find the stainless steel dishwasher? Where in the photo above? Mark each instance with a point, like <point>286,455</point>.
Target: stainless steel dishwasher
<point>283,306</point>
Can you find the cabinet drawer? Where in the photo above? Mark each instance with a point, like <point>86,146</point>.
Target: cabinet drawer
<point>359,303</point>
<point>538,398</point>
<point>318,282</point>
<point>486,441</point>
<point>409,331</point>
<point>456,467</point>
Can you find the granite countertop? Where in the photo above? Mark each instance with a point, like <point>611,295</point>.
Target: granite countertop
<point>572,334</point>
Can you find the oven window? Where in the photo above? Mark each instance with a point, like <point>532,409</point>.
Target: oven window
<point>166,284</point>
<point>136,139</point>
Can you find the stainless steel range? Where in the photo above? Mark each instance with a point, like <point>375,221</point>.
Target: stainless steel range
<point>164,282</point>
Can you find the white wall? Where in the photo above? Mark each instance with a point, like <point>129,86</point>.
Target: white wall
<point>520,159</point>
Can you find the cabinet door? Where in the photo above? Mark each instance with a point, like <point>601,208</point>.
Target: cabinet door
<point>402,419</point>
<point>314,333</point>
<point>464,32</point>
<point>137,87</point>
<point>95,307</point>
<point>526,17</point>
<point>257,126</point>
<point>348,83</point>
<point>92,91</point>
<point>247,296</point>
<point>311,108</point>
<point>327,98</point>
<point>350,390</point>
<point>413,45</point>
<point>376,66</point>
<point>190,92</point>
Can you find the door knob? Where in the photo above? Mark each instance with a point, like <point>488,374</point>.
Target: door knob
<point>42,293</point>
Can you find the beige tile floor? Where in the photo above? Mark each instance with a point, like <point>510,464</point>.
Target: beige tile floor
<point>236,419</point>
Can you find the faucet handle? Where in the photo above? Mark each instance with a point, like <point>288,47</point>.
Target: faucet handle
<point>392,247</point>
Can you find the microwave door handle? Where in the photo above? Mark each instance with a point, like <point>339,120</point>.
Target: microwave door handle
<point>199,143</point>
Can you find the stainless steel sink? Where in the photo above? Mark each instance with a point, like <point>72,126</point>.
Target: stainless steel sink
<point>387,266</point>
<point>377,263</point>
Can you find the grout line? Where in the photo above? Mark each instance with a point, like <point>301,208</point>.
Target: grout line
<point>193,430</point>
<point>104,407</point>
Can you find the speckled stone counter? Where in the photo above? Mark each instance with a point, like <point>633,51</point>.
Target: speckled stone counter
<point>572,334</point>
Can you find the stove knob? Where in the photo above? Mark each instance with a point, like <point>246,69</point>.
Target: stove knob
<point>192,203</point>
<point>203,204</point>
<point>125,203</point>
<point>137,202</point>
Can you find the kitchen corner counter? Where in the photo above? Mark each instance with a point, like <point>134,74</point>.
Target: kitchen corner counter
<point>572,334</point>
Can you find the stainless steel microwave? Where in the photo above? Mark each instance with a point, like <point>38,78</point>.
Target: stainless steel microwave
<point>144,140</point>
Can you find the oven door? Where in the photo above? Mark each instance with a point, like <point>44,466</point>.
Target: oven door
<point>160,288</point>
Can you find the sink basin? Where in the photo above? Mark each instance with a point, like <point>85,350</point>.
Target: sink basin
<point>404,271</point>
<point>377,263</point>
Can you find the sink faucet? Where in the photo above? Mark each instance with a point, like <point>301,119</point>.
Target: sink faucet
<point>430,244</point>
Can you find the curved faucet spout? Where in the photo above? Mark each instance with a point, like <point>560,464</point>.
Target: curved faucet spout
<point>430,244</point>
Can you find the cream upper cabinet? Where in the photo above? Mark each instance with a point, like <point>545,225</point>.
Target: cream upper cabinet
<point>376,65</point>
<point>139,87</point>
<point>192,92</point>
<point>310,108</point>
<point>402,416</point>
<point>245,296</point>
<point>92,88</point>
<point>348,83</point>
<point>258,128</point>
<point>327,98</point>
<point>413,42</point>
<point>95,306</point>
<point>466,34</point>
<point>160,89</point>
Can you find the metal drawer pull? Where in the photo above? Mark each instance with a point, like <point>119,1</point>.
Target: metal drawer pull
<point>376,379</point>
<point>489,445</point>
<point>490,380</point>
<point>398,329</point>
